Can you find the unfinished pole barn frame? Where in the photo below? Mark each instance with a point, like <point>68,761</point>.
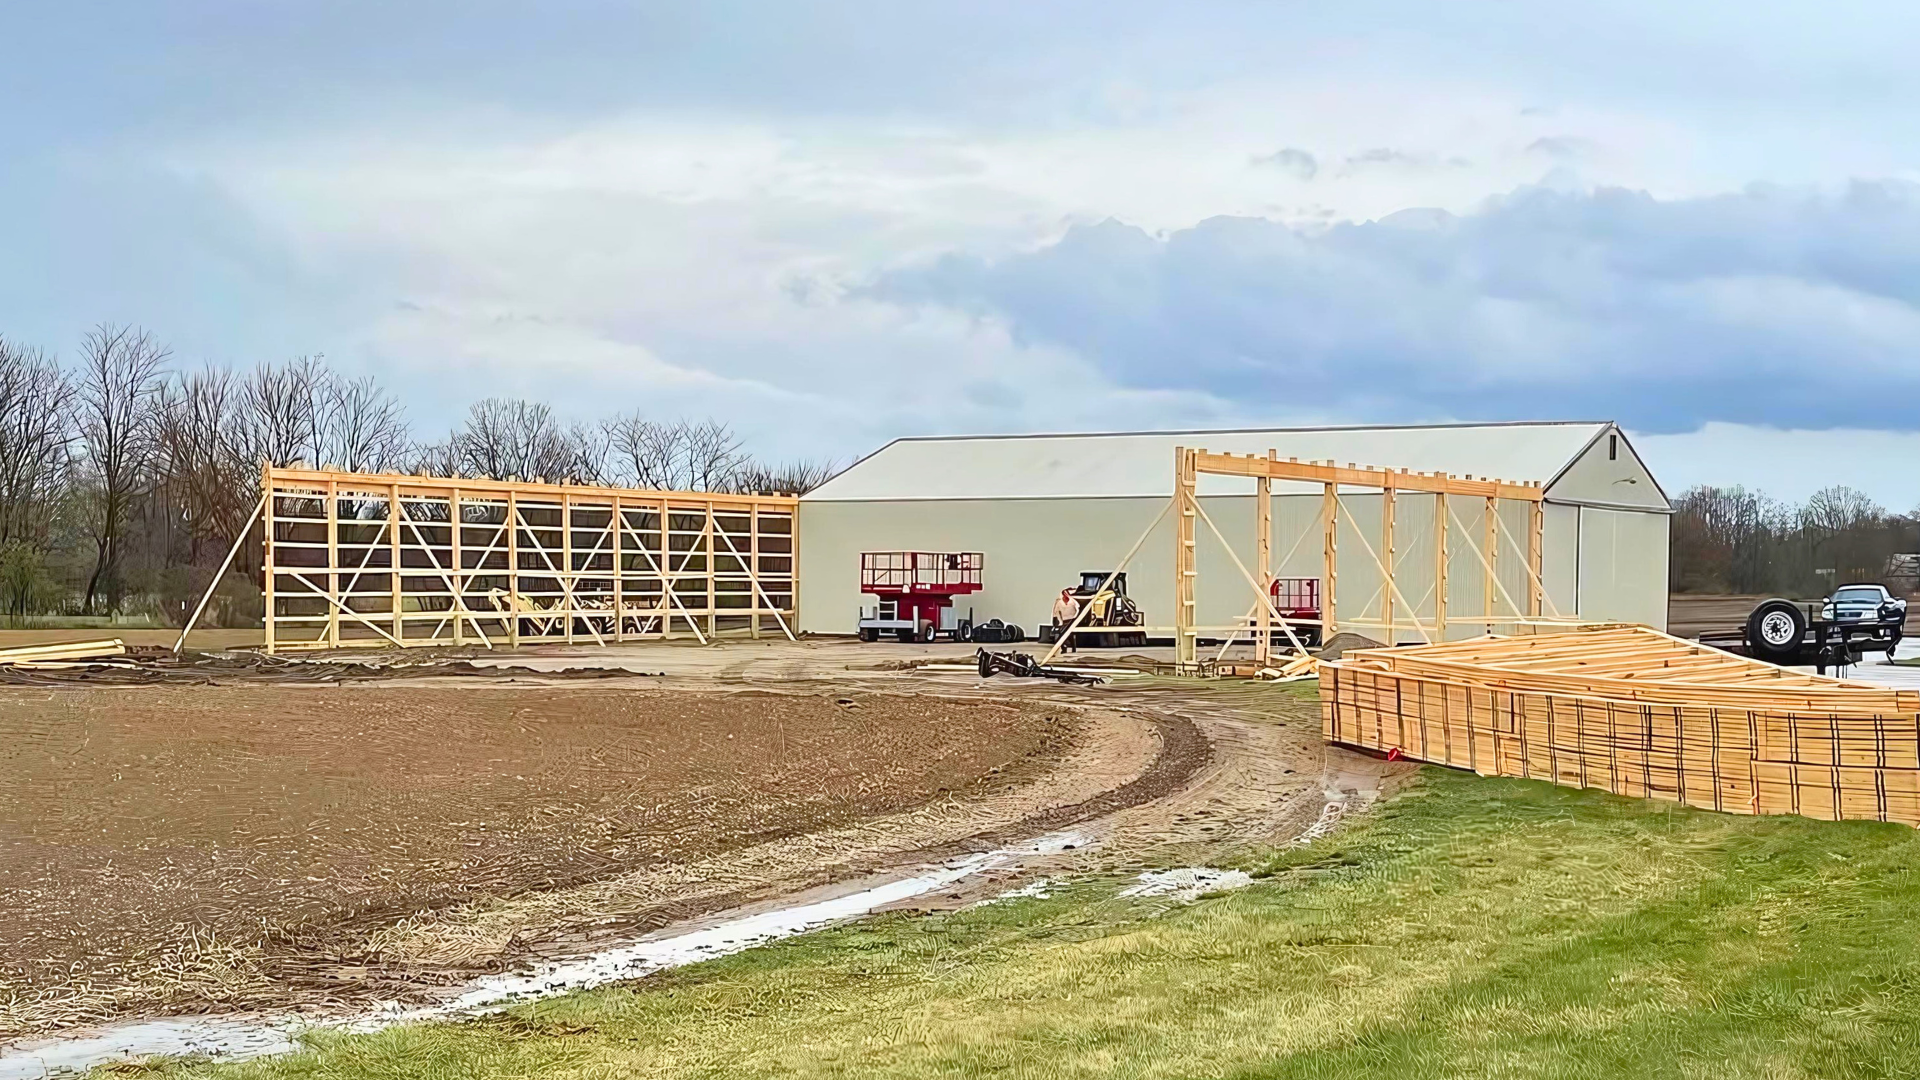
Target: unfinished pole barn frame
<point>1387,610</point>
<point>384,560</point>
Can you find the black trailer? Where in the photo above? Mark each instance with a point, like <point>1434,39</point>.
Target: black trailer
<point>1832,633</point>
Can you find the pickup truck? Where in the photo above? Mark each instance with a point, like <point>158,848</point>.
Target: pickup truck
<point>1859,618</point>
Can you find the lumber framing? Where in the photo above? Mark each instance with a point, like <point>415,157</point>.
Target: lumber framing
<point>353,560</point>
<point>1639,713</point>
<point>1338,612</point>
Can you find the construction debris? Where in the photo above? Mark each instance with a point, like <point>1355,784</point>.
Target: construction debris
<point>1021,665</point>
<point>64,653</point>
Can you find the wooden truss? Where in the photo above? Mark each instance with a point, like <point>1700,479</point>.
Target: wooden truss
<point>1396,613</point>
<point>1639,713</point>
<point>376,560</point>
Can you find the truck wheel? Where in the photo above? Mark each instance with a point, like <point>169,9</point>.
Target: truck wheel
<point>905,636</point>
<point>868,633</point>
<point>926,630</point>
<point>964,631</point>
<point>1775,630</point>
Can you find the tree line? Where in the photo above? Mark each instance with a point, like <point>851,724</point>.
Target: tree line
<point>124,477</point>
<point>1731,540</point>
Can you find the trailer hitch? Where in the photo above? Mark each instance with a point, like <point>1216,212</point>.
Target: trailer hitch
<point>1021,665</point>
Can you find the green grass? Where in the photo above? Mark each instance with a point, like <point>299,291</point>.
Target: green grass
<point>1471,928</point>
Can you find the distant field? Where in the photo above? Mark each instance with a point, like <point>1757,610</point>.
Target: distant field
<point>1471,928</point>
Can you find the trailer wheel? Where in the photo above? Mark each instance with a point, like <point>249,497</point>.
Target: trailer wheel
<point>1775,630</point>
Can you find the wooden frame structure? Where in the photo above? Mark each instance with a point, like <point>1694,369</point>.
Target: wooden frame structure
<point>1396,612</point>
<point>384,560</point>
<point>1639,713</point>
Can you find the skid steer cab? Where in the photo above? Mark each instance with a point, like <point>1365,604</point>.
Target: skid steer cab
<point>1112,620</point>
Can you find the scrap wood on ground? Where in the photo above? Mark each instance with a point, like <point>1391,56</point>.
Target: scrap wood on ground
<point>1437,936</point>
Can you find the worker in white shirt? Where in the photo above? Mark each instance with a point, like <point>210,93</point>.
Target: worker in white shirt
<point>1065,610</point>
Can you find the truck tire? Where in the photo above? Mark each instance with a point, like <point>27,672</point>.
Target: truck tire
<point>1775,630</point>
<point>868,633</point>
<point>927,631</point>
<point>964,631</point>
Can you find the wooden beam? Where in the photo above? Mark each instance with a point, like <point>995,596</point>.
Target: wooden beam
<point>1263,567</point>
<point>1387,565</point>
<point>374,483</point>
<point>1185,567</point>
<point>1330,567</point>
<point>1362,476</point>
<point>1440,565</point>
<point>1490,555</point>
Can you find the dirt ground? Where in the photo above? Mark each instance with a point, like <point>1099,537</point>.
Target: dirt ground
<point>156,841</point>
<point>169,849</point>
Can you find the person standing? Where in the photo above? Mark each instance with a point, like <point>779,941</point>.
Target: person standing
<point>1065,610</point>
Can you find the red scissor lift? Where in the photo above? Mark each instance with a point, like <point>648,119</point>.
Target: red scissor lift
<point>916,591</point>
<point>1298,598</point>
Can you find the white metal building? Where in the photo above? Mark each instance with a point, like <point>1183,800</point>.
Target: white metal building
<point>1044,508</point>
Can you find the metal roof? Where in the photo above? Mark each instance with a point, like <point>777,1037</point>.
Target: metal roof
<point>1140,464</point>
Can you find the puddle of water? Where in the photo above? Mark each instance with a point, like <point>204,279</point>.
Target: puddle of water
<point>248,1036</point>
<point>1187,884</point>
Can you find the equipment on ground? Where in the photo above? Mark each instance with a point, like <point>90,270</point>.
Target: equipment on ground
<point>1021,665</point>
<point>1857,619</point>
<point>995,632</point>
<point>916,591</point>
<point>1109,606</point>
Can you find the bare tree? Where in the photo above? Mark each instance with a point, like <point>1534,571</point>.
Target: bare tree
<point>512,437</point>
<point>640,452</point>
<point>359,427</point>
<point>36,431</point>
<point>678,456</point>
<point>120,374</point>
<point>279,411</point>
<point>711,456</point>
<point>789,478</point>
<point>202,463</point>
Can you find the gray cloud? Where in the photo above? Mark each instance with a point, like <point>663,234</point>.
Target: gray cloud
<point>1561,147</point>
<point>1295,162</point>
<point>1765,307</point>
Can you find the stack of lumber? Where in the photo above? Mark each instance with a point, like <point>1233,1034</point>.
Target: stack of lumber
<point>67,654</point>
<point>1638,713</point>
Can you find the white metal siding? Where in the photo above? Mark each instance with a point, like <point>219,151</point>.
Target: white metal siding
<point>1623,566</point>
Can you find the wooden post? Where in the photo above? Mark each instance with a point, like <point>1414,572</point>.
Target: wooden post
<point>1536,585</point>
<point>1329,573</point>
<point>568,600</point>
<point>1263,568</point>
<point>1490,529</point>
<point>753,567</point>
<point>393,555</point>
<point>513,569</point>
<point>1386,558</point>
<point>1186,642</point>
<point>458,577</point>
<point>1440,566</point>
<point>266,554</point>
<point>333,563</point>
<point>713,619</point>
<point>619,526</point>
<point>666,568</point>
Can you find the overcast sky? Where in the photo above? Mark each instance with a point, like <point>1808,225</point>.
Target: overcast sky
<point>836,223</point>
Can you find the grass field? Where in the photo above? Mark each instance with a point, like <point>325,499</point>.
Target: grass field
<point>1471,927</point>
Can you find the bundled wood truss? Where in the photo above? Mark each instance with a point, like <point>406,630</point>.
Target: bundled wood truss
<point>1456,501</point>
<point>1639,713</point>
<point>375,560</point>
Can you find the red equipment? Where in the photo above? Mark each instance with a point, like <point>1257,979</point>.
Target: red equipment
<point>1298,598</point>
<point>916,591</point>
